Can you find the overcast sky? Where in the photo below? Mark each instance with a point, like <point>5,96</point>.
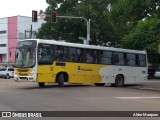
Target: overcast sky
<point>21,7</point>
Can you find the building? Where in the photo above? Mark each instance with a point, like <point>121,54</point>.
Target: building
<point>13,29</point>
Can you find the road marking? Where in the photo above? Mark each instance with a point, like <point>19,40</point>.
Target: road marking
<point>138,97</point>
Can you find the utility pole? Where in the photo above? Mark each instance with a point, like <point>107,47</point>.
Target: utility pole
<point>31,32</point>
<point>25,34</point>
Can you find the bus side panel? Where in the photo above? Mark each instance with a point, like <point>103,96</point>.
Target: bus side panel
<point>106,73</point>
<point>131,74</point>
<point>81,72</point>
<point>45,73</point>
<point>75,72</point>
<point>92,73</point>
<point>142,75</point>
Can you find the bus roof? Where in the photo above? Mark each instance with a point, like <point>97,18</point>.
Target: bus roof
<point>54,42</point>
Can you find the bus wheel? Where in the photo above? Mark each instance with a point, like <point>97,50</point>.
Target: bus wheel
<point>99,84</point>
<point>60,80</point>
<point>41,84</point>
<point>113,85</point>
<point>119,81</point>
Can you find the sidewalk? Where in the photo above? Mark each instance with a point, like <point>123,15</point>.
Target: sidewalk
<point>150,84</point>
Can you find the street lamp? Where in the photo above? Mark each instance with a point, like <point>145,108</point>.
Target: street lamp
<point>88,31</point>
<point>84,40</point>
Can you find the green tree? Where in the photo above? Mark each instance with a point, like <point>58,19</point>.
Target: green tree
<point>71,29</point>
<point>145,36</point>
<point>112,20</point>
<point>125,14</point>
<point>154,8</point>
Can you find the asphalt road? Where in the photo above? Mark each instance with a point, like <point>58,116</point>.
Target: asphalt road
<point>27,96</point>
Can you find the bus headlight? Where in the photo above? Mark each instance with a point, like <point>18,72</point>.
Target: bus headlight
<point>31,74</point>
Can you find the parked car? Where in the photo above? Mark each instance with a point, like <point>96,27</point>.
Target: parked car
<point>7,73</point>
<point>157,73</point>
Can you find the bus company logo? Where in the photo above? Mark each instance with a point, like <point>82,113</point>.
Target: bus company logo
<point>6,114</point>
<point>79,68</point>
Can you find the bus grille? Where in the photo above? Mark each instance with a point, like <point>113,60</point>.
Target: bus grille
<point>23,70</point>
<point>22,77</point>
<point>23,74</point>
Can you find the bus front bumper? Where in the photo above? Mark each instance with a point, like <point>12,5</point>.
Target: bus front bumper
<point>24,78</point>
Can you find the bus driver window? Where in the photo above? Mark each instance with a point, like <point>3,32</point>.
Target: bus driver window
<point>44,54</point>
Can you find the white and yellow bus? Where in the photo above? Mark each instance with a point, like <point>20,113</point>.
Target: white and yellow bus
<point>50,61</point>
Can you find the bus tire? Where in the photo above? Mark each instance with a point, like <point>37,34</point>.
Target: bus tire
<point>119,81</point>
<point>113,85</point>
<point>41,84</point>
<point>60,80</point>
<point>99,84</point>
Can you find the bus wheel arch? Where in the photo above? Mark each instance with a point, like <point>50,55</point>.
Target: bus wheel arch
<point>99,84</point>
<point>119,80</point>
<point>41,84</point>
<point>61,77</point>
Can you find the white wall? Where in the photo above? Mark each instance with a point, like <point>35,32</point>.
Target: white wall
<point>24,23</point>
<point>4,58</point>
<point>4,37</point>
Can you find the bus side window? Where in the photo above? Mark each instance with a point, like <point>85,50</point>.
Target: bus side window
<point>142,60</point>
<point>72,54</point>
<point>89,57</point>
<point>74,58</point>
<point>60,53</point>
<point>137,61</point>
<point>95,56</point>
<point>65,52</point>
<point>80,55</point>
<point>106,57</point>
<point>118,58</point>
<point>39,53</point>
<point>131,59</point>
<point>46,54</point>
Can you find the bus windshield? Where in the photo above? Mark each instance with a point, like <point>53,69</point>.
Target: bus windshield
<point>25,54</point>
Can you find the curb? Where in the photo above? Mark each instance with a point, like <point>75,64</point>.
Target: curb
<point>148,88</point>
